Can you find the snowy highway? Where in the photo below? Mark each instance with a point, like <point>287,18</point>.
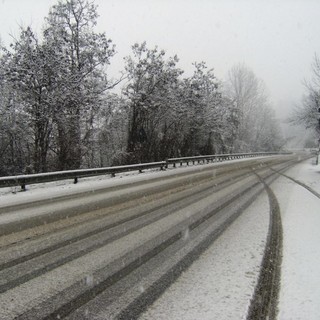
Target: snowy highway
<point>158,160</point>
<point>110,252</point>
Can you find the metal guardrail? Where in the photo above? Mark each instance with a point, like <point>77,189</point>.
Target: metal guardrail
<point>27,179</point>
<point>23,180</point>
<point>218,157</point>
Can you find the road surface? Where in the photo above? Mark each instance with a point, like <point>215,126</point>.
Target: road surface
<point>110,253</point>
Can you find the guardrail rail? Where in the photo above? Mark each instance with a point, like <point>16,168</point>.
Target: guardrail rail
<point>27,179</point>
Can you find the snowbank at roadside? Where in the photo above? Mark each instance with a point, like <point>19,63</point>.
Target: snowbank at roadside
<point>300,273</point>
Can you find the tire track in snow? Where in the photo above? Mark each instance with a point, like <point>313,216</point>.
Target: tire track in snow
<point>264,302</point>
<point>142,219</point>
<point>299,183</point>
<point>88,294</point>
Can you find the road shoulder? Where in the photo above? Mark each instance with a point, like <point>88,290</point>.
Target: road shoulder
<point>300,273</point>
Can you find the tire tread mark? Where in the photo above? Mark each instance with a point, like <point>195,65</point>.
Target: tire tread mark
<point>65,243</point>
<point>139,305</point>
<point>299,183</point>
<point>91,293</point>
<point>264,302</point>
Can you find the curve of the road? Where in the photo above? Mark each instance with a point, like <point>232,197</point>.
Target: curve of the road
<point>80,255</point>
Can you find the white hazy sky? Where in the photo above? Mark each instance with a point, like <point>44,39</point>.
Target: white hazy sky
<point>277,39</point>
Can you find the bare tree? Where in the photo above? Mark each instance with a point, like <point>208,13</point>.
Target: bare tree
<point>151,94</point>
<point>257,128</point>
<point>80,70</point>
<point>15,132</point>
<point>306,113</point>
<point>28,71</point>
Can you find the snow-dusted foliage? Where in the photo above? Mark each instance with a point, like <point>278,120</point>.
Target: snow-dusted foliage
<point>257,127</point>
<point>58,113</point>
<point>307,113</point>
<point>15,133</point>
<point>208,114</point>
<point>151,94</point>
<point>173,116</point>
<point>60,82</point>
<point>82,56</point>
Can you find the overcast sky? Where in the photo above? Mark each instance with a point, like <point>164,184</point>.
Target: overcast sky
<point>277,39</point>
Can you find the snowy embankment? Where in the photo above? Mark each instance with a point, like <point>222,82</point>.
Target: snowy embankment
<point>300,273</point>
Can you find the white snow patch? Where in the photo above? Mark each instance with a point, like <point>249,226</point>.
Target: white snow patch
<point>300,274</point>
<point>220,284</point>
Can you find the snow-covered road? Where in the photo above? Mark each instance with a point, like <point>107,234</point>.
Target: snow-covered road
<point>81,251</point>
<point>220,284</point>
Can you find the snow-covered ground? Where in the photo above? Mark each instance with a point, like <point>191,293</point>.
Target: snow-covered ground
<point>220,284</point>
<point>300,211</point>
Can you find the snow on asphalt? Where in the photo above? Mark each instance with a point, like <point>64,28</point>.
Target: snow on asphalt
<point>221,283</point>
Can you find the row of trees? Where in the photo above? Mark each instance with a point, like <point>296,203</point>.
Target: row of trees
<point>58,110</point>
<point>307,113</point>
